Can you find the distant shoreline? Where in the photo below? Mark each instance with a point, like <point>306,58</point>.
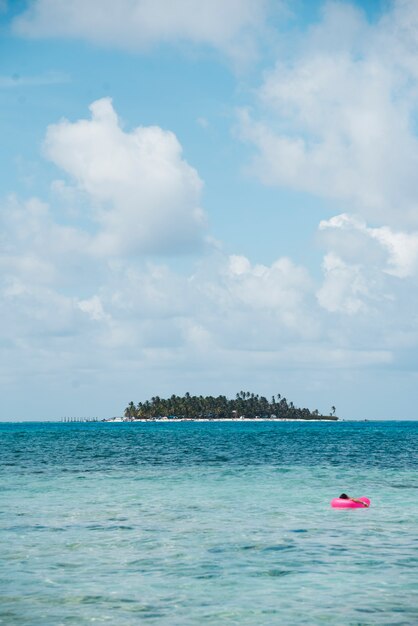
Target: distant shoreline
<point>246,406</point>
<point>226,419</point>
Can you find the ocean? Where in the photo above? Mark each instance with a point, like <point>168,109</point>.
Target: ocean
<point>208,524</point>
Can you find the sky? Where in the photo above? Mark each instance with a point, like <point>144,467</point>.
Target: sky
<point>208,197</point>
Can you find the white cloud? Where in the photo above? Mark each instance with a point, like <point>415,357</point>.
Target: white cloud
<point>280,287</point>
<point>226,301</point>
<point>400,248</point>
<point>145,195</point>
<point>344,289</point>
<point>32,242</point>
<point>93,307</point>
<point>100,318</point>
<point>238,265</point>
<point>256,307</point>
<point>227,25</point>
<point>337,119</point>
<point>224,310</point>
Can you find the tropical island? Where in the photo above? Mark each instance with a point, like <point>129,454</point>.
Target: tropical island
<point>245,406</point>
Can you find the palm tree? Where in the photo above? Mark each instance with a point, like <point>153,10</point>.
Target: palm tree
<point>130,410</point>
<point>245,403</point>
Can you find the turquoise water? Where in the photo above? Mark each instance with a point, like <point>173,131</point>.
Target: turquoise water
<point>208,523</point>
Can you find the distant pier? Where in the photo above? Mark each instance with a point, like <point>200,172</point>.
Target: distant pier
<point>79,419</point>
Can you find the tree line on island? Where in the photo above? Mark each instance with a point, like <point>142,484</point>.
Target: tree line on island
<point>246,405</point>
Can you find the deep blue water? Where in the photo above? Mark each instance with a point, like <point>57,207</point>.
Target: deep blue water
<point>208,523</point>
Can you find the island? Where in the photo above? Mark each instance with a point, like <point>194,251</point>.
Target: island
<point>245,406</point>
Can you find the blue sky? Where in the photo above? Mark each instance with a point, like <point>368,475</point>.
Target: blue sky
<point>208,197</point>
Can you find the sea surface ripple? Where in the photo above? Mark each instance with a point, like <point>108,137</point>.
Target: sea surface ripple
<point>208,523</point>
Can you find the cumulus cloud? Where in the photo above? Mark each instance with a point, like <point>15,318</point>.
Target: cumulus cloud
<point>41,262</point>
<point>93,307</point>
<point>227,25</point>
<point>399,248</point>
<point>138,311</point>
<point>224,310</point>
<point>139,196</point>
<point>280,289</point>
<point>218,302</point>
<point>144,194</point>
<point>32,242</point>
<point>224,313</point>
<point>231,311</point>
<point>337,118</point>
<point>344,287</point>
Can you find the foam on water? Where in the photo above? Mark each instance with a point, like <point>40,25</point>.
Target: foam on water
<point>208,524</point>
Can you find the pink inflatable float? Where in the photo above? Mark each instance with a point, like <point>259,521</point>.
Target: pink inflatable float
<point>342,503</point>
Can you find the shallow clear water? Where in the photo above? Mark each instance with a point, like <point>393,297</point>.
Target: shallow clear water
<point>208,523</point>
